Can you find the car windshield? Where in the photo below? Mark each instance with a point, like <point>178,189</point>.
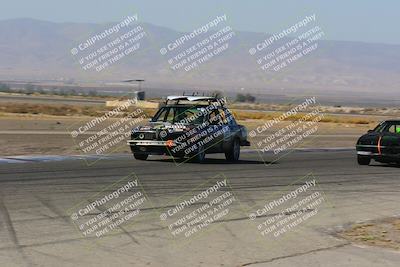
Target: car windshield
<point>180,114</point>
<point>380,127</point>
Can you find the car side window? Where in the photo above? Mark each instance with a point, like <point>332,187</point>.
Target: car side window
<point>394,128</point>
<point>229,118</point>
<point>222,117</point>
<point>215,117</point>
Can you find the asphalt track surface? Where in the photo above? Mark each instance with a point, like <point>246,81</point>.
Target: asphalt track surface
<point>36,197</point>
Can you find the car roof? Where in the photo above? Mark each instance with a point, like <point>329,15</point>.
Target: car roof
<point>196,100</point>
<point>191,98</point>
<point>396,121</point>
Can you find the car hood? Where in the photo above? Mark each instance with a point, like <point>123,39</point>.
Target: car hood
<point>369,139</point>
<point>152,126</point>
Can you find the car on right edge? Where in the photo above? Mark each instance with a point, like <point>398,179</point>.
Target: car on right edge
<point>381,144</point>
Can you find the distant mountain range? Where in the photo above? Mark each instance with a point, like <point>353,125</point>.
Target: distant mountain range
<point>33,49</point>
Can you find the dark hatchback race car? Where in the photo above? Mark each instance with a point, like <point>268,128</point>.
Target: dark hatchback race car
<point>381,144</point>
<point>190,127</point>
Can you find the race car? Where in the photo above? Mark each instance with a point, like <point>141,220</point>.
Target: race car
<point>190,127</point>
<point>381,144</point>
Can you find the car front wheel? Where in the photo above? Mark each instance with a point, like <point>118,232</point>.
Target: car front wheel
<point>234,151</point>
<point>140,156</point>
<point>363,160</point>
<point>200,156</point>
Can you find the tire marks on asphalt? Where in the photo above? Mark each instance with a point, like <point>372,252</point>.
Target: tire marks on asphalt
<point>8,224</point>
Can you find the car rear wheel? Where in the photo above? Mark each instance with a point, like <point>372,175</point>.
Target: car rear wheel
<point>140,156</point>
<point>234,151</point>
<point>363,160</point>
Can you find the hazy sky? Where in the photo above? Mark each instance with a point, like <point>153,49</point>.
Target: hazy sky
<point>355,20</point>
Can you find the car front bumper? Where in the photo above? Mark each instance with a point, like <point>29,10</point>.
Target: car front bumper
<point>377,153</point>
<point>151,147</point>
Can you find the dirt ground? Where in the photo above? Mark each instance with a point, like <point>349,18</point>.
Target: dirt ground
<point>385,233</point>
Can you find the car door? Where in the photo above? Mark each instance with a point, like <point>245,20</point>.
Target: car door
<point>215,131</point>
<point>390,140</point>
<point>233,128</point>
